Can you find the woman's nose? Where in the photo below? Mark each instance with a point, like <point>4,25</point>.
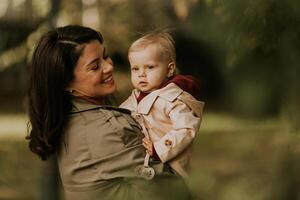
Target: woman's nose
<point>108,66</point>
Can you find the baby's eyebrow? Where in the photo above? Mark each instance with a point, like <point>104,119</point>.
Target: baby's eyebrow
<point>149,65</point>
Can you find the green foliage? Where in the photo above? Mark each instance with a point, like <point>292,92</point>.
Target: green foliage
<point>259,52</point>
<point>241,27</point>
<point>247,52</point>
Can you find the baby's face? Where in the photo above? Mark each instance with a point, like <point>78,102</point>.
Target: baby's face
<point>148,70</point>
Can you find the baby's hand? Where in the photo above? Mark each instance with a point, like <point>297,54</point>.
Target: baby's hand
<point>148,145</point>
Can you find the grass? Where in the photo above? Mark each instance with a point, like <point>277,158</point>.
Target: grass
<point>19,169</point>
<point>234,159</point>
<point>246,159</point>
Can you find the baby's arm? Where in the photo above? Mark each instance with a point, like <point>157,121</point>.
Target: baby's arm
<point>184,128</point>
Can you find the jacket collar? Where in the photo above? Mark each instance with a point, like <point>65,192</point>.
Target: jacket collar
<point>81,105</point>
<point>169,93</point>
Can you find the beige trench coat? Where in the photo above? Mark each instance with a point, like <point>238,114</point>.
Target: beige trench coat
<point>172,118</point>
<point>100,149</point>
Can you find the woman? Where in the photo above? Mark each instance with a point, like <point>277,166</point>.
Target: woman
<point>98,146</point>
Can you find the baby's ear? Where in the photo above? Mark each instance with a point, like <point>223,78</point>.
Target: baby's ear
<point>171,69</point>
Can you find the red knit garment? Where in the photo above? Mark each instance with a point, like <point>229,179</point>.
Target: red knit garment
<point>187,83</point>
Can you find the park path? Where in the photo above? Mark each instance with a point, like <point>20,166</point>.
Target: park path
<point>13,126</point>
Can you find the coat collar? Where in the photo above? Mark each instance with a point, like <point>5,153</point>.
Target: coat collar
<point>169,93</point>
<point>81,105</point>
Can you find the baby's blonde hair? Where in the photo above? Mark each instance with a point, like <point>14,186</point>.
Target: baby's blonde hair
<point>162,39</point>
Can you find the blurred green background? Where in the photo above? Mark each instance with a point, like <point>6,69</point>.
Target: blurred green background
<point>246,54</point>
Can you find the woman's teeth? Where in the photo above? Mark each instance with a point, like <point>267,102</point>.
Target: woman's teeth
<point>108,79</point>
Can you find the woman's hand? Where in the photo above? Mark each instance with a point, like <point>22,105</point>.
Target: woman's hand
<point>147,143</point>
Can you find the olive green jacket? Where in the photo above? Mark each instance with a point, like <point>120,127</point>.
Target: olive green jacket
<point>99,146</point>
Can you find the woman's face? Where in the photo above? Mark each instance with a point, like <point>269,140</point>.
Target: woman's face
<point>93,73</point>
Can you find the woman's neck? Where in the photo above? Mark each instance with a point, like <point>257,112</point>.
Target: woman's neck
<point>94,100</point>
<point>97,101</point>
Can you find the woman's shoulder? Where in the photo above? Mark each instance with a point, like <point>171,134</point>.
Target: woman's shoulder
<point>82,106</point>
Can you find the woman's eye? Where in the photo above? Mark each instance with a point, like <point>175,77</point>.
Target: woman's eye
<point>95,66</point>
<point>134,69</point>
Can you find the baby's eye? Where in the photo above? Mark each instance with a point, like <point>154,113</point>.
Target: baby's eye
<point>134,68</point>
<point>150,67</point>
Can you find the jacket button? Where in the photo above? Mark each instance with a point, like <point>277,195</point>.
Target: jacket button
<point>168,143</point>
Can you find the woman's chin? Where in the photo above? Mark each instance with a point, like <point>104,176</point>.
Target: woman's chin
<point>111,89</point>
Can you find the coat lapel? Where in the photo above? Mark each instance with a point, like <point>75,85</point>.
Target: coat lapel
<point>169,93</point>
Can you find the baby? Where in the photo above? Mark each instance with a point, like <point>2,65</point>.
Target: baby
<point>166,103</point>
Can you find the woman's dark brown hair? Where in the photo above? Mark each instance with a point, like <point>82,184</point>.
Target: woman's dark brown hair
<point>51,71</point>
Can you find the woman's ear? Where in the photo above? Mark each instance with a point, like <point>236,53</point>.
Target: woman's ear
<point>171,69</point>
<point>69,89</point>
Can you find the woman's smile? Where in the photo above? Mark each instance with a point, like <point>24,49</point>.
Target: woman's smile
<point>108,80</point>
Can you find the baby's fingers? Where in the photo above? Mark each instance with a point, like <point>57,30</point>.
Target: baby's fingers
<point>146,139</point>
<point>145,145</point>
<point>150,152</point>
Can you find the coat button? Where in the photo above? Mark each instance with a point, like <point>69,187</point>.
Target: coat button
<point>168,143</point>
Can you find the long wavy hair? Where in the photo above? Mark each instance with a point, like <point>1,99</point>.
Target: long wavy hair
<point>51,71</point>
